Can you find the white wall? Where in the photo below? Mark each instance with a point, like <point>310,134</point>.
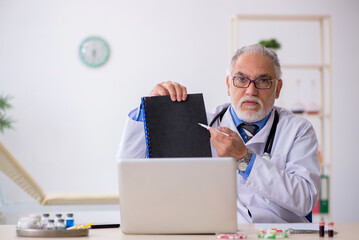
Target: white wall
<point>69,117</point>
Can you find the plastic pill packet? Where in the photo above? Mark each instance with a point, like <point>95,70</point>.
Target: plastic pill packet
<point>32,221</point>
<point>237,235</point>
<point>273,233</point>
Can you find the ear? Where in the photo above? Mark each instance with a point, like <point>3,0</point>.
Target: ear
<point>279,88</point>
<point>228,86</point>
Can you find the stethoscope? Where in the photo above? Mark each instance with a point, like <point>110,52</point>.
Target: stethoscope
<point>270,139</point>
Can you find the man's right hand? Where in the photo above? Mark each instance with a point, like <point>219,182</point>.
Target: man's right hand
<point>176,91</point>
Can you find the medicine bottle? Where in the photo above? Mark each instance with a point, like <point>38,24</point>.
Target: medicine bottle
<point>330,229</point>
<point>60,224</point>
<point>321,229</point>
<point>57,217</point>
<point>51,224</point>
<point>70,220</point>
<point>44,220</point>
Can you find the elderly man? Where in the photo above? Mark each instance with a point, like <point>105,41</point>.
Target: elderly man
<point>278,166</point>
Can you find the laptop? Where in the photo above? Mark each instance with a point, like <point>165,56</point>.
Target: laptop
<point>178,195</point>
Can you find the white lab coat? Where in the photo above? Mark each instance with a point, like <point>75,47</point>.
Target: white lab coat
<point>282,189</point>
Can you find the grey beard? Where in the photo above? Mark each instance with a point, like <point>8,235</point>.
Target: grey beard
<point>255,116</point>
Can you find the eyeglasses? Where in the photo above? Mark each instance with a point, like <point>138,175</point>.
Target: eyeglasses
<point>259,83</point>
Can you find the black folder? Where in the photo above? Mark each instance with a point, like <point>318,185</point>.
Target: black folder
<point>172,128</point>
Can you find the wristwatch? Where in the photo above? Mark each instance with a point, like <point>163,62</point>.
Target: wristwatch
<point>243,162</point>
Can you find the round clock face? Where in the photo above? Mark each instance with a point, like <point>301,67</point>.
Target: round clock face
<point>94,51</point>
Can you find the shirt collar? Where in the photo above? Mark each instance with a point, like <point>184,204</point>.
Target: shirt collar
<point>237,121</point>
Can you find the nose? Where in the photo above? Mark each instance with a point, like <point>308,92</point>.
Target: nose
<point>251,89</point>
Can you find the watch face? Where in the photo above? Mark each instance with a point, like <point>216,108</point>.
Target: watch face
<point>242,165</point>
<point>94,51</point>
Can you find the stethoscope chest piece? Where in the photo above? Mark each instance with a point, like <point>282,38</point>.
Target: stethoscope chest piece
<point>265,156</point>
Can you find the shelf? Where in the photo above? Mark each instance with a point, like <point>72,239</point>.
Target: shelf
<point>303,66</point>
<point>327,166</point>
<point>310,115</point>
<point>282,17</point>
<point>319,115</point>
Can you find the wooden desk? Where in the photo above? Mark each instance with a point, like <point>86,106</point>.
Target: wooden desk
<point>345,231</point>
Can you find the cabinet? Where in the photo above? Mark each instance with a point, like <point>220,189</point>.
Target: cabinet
<point>305,56</point>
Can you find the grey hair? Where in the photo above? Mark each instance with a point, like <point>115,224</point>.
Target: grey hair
<point>263,51</point>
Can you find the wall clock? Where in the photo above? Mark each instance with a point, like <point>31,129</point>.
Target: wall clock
<point>94,51</point>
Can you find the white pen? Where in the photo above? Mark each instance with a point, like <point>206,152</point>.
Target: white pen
<point>207,127</point>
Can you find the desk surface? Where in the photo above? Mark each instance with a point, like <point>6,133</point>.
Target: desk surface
<point>345,231</point>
